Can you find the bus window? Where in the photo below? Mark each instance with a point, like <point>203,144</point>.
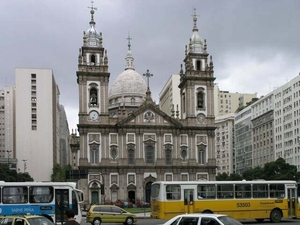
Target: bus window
<point>13,195</point>
<point>260,190</point>
<point>173,192</point>
<point>206,191</point>
<point>243,191</point>
<point>225,190</point>
<point>277,191</point>
<point>155,190</point>
<point>42,194</point>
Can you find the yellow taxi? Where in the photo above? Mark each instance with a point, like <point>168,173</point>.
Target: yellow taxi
<point>24,220</point>
<point>98,214</point>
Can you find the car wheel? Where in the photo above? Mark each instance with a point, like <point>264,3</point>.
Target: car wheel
<point>96,221</point>
<point>129,221</point>
<point>275,216</point>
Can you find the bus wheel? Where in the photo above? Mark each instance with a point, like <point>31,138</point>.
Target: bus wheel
<point>275,216</point>
<point>259,220</point>
<point>96,221</point>
<point>208,212</point>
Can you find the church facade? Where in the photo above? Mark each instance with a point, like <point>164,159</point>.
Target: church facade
<point>126,142</point>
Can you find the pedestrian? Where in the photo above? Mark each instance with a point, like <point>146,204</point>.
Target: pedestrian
<point>70,216</point>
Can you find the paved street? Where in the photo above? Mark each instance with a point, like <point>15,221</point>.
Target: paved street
<point>146,220</point>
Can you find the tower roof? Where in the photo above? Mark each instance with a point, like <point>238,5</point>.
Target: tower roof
<point>196,41</point>
<point>92,36</point>
<point>129,82</point>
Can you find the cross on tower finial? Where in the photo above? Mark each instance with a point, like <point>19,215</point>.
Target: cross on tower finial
<point>195,20</point>
<point>195,13</point>
<point>129,39</point>
<point>148,75</point>
<point>92,8</point>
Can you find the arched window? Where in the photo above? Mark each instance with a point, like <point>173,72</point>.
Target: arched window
<point>201,154</point>
<point>132,101</point>
<point>130,156</point>
<point>168,157</point>
<point>149,154</point>
<point>198,65</point>
<point>200,100</point>
<point>93,59</point>
<point>183,102</point>
<point>93,96</point>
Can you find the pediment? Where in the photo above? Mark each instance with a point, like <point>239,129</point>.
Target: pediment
<point>149,115</point>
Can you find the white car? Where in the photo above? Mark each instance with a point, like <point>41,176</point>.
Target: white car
<point>202,219</point>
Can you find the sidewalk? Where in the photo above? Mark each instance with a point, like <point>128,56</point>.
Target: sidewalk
<point>143,215</point>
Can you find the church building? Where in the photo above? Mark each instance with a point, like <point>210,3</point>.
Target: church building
<point>126,142</point>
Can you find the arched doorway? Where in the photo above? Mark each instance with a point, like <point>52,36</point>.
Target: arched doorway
<point>148,191</point>
<point>131,196</point>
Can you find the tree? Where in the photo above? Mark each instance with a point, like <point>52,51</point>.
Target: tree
<point>223,176</point>
<point>253,174</point>
<point>9,175</point>
<point>59,173</point>
<point>280,170</point>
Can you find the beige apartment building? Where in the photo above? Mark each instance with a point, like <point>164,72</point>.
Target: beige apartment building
<point>36,121</point>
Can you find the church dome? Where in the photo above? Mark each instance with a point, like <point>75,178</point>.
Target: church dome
<point>128,83</point>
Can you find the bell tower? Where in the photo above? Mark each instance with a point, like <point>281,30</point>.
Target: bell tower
<point>197,82</point>
<point>92,76</point>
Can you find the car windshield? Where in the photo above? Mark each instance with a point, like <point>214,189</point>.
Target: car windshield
<point>39,221</point>
<point>227,220</point>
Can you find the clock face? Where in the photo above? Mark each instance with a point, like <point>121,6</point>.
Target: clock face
<point>201,118</point>
<point>94,115</point>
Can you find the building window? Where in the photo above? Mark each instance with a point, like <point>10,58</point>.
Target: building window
<point>200,100</point>
<point>149,156</point>
<point>132,101</point>
<point>201,154</point>
<point>33,76</point>
<point>93,96</point>
<point>183,153</point>
<point>168,157</point>
<point>93,60</point>
<point>198,65</point>
<point>114,153</point>
<point>130,156</point>
<point>183,102</point>
<point>94,156</point>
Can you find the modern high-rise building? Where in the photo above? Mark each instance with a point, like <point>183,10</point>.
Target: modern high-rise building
<point>263,130</point>
<point>169,97</point>
<point>243,140</point>
<point>36,121</point>
<point>227,102</point>
<point>7,129</point>
<point>224,141</point>
<point>64,136</point>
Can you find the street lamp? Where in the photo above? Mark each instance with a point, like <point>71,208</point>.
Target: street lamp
<point>8,154</point>
<point>25,164</point>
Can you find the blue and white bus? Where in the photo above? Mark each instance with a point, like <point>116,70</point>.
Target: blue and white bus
<point>49,199</point>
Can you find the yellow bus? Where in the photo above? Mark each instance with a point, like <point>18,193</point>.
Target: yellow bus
<point>258,199</point>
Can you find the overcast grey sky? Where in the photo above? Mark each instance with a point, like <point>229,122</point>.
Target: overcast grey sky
<point>255,44</point>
